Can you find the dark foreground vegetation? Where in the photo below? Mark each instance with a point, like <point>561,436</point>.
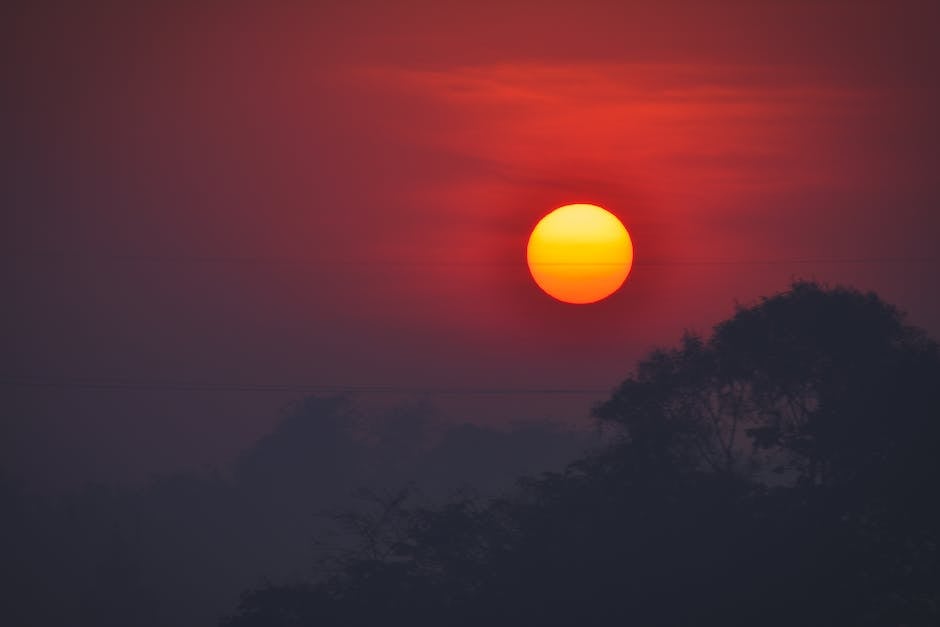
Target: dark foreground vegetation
<point>783,472</point>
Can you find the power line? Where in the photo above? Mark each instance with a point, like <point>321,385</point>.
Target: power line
<point>334,261</point>
<point>757,262</point>
<point>204,386</point>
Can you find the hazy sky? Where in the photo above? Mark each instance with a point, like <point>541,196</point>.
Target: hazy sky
<point>339,195</point>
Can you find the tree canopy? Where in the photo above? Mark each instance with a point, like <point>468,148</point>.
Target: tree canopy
<point>781,471</point>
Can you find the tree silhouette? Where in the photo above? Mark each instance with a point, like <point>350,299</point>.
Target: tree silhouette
<point>819,384</point>
<point>179,549</point>
<point>779,472</point>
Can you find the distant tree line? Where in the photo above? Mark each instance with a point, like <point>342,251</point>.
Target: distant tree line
<point>178,550</point>
<point>783,471</point>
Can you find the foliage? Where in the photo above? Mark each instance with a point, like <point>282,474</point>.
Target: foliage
<point>178,550</point>
<point>781,472</point>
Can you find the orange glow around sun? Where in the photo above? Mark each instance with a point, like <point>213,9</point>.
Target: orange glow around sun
<point>580,253</point>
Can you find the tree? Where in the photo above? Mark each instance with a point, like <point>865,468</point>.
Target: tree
<point>779,472</point>
<point>815,384</point>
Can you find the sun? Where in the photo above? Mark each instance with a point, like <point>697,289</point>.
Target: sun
<point>579,253</point>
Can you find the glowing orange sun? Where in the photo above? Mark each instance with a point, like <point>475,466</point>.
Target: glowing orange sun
<point>579,253</point>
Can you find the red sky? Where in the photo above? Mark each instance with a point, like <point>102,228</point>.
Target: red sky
<point>339,194</point>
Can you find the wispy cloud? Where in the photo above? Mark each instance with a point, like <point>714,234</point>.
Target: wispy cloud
<point>673,127</point>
